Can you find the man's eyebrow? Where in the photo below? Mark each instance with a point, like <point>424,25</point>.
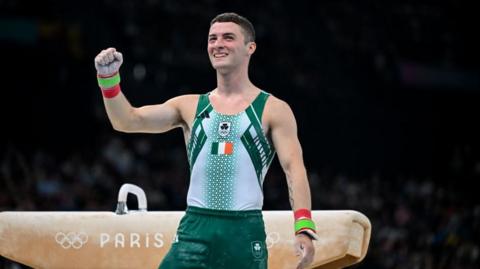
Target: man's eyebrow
<point>224,34</point>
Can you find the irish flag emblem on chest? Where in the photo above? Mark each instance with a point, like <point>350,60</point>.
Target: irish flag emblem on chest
<point>222,148</point>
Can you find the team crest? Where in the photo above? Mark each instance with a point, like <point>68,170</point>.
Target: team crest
<point>257,249</point>
<point>224,128</point>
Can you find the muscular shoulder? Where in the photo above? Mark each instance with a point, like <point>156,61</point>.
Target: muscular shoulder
<point>184,100</point>
<point>276,111</point>
<point>186,106</point>
<point>276,102</point>
<point>276,107</point>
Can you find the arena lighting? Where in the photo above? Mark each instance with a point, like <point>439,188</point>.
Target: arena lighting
<point>140,239</point>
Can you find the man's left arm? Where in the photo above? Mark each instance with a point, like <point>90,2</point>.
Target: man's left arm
<point>283,128</point>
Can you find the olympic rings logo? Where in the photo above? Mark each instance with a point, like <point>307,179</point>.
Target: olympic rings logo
<point>71,239</point>
<point>272,239</point>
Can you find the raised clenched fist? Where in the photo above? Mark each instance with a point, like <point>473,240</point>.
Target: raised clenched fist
<point>108,62</point>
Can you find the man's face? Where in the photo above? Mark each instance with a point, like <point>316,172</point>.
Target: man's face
<point>226,46</point>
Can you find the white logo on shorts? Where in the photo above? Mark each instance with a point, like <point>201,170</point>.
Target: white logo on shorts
<point>71,239</point>
<point>257,250</point>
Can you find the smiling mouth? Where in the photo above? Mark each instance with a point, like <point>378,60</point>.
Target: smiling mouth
<point>220,55</point>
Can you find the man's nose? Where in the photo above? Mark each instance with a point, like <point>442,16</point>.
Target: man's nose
<point>219,43</point>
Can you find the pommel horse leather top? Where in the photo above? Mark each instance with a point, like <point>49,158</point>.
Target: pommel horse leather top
<point>140,239</point>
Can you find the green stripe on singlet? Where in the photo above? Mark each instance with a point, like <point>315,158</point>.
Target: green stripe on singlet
<point>259,104</point>
<point>249,145</point>
<point>197,135</point>
<point>257,147</point>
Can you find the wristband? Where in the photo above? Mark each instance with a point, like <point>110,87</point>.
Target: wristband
<point>108,82</point>
<point>304,223</point>
<point>110,85</point>
<point>302,214</point>
<point>111,92</point>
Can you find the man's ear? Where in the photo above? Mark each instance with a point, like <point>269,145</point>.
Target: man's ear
<point>252,46</point>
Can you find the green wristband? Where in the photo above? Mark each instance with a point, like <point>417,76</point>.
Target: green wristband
<point>109,82</point>
<point>304,223</point>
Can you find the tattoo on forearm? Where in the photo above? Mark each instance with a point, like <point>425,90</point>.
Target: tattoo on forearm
<point>290,193</point>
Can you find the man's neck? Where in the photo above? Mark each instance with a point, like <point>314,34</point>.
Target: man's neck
<point>237,82</point>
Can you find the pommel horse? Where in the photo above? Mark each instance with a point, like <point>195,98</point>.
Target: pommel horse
<point>140,239</point>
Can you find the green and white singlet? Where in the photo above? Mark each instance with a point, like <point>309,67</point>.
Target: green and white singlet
<point>229,156</point>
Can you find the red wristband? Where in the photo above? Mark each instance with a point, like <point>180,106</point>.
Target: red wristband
<point>111,92</point>
<point>302,213</point>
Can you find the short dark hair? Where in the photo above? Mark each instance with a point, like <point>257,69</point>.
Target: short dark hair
<point>244,23</point>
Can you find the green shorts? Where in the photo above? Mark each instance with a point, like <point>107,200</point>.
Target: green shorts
<point>218,239</point>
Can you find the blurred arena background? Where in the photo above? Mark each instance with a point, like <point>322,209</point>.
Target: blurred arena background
<point>386,95</point>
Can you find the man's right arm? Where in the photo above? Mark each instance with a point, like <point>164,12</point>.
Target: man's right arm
<point>123,116</point>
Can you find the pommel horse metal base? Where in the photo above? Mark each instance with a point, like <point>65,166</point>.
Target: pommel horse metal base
<point>140,239</point>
